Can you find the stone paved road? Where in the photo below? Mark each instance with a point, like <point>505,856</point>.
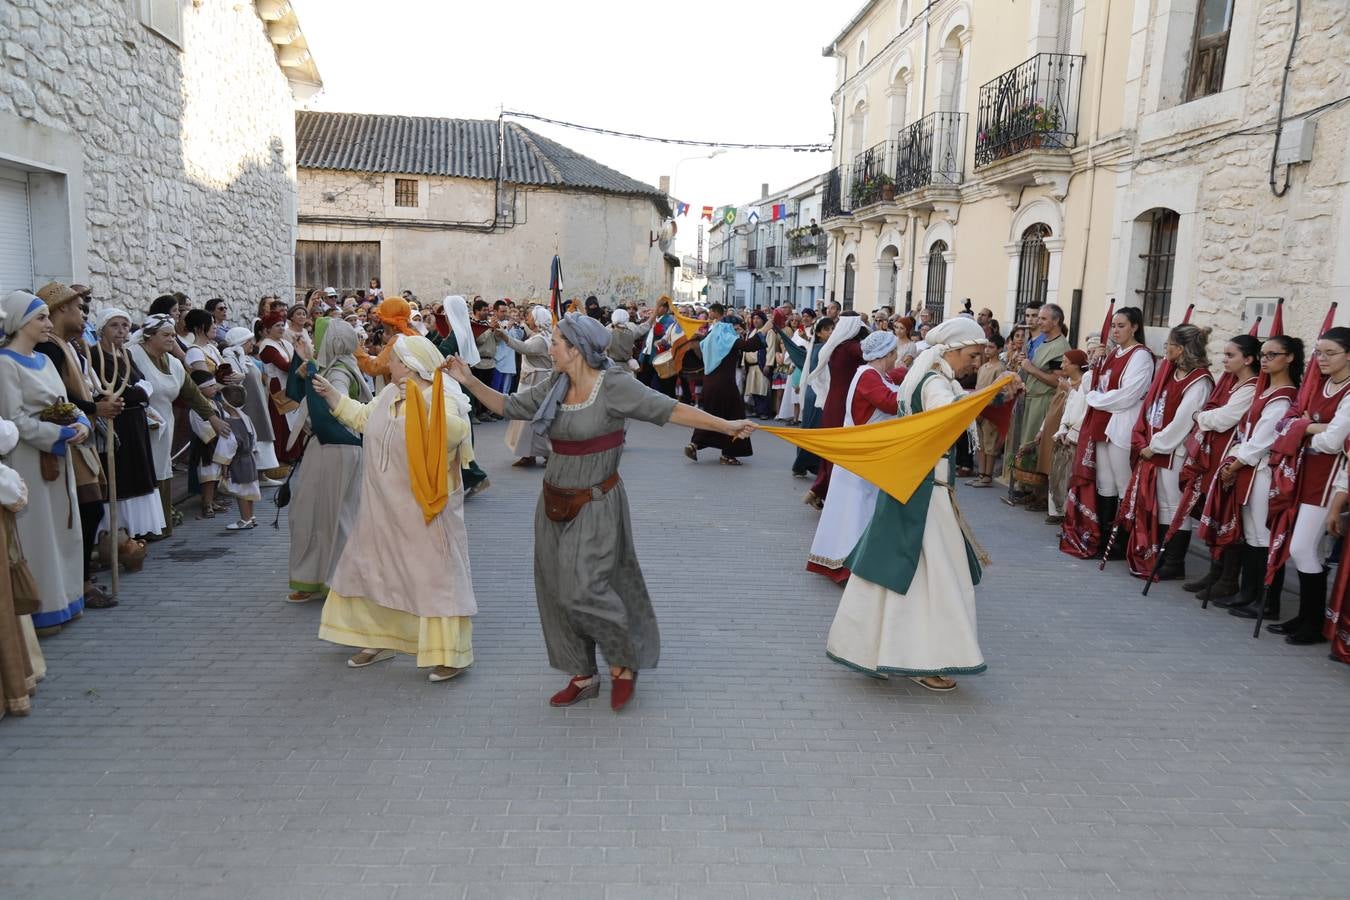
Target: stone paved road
<point>200,742</point>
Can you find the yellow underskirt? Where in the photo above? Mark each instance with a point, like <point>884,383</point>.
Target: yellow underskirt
<point>435,641</point>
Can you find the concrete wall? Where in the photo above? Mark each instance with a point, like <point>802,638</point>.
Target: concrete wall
<point>432,250</point>
<point>156,169</point>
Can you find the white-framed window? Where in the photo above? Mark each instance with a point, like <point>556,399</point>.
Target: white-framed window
<point>164,18</point>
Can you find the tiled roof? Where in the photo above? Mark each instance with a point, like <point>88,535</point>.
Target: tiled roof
<point>461,148</point>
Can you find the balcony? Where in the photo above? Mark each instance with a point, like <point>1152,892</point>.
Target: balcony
<point>1028,120</point>
<point>872,179</point>
<point>807,249</point>
<point>834,200</point>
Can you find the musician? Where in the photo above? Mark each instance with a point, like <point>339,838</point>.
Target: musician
<point>1246,474</point>
<point>485,339</point>
<point>1326,425</point>
<point>1113,409</point>
<point>1215,430</point>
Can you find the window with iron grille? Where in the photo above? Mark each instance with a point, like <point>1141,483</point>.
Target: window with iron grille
<point>1209,48</point>
<point>849,279</point>
<point>1155,297</point>
<point>405,191</point>
<point>935,292</point>
<point>1033,270</point>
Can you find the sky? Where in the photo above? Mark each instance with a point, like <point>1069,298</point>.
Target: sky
<point>716,70</point>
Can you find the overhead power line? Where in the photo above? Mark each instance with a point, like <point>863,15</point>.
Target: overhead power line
<point>730,145</point>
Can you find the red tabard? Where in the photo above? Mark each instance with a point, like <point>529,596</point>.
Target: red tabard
<point>1113,370</point>
<point>1221,519</point>
<point>1319,468</point>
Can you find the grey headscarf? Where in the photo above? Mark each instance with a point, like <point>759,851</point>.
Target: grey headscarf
<point>338,347</point>
<point>592,340</point>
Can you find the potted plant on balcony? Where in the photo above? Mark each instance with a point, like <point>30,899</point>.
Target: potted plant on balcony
<point>886,185</point>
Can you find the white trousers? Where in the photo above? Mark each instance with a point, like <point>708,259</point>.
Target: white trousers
<point>1113,469</point>
<point>1254,512</point>
<point>1169,493</point>
<point>1305,545</point>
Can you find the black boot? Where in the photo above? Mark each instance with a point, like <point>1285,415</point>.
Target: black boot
<point>1174,555</point>
<point>1205,580</point>
<point>1253,584</point>
<point>1312,608</point>
<point>1106,516</point>
<point>1230,564</point>
<point>1272,595</point>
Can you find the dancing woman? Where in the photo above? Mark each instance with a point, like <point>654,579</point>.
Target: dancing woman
<point>535,367</point>
<point>588,583</point>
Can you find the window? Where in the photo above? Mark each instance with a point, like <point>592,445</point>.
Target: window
<point>1033,270</point>
<point>405,191</point>
<point>1209,48</point>
<point>935,292</point>
<point>1155,297</point>
<point>16,233</point>
<point>849,278</point>
<point>165,18</point>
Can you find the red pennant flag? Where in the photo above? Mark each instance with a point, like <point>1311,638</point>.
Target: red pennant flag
<point>707,213</point>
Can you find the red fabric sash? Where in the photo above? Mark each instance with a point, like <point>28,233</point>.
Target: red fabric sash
<point>1081,534</point>
<point>1286,465</point>
<point>590,445</point>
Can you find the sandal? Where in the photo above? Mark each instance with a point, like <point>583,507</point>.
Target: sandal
<point>209,513</point>
<point>96,598</point>
<point>445,673</point>
<point>691,451</point>
<point>729,461</point>
<point>938,683</point>
<point>302,596</point>
<point>242,525</point>
<point>369,658</point>
<point>983,481</point>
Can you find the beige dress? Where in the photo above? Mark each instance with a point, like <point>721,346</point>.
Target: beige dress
<point>535,368</point>
<point>402,583</point>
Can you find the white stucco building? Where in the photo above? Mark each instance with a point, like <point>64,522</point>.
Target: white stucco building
<point>148,146</point>
<point>421,204</point>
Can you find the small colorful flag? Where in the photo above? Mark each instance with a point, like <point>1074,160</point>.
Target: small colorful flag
<point>681,208</point>
<point>752,217</point>
<point>707,213</point>
<point>729,215</point>
<point>779,211</point>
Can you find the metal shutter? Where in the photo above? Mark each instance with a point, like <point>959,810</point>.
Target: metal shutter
<point>16,236</point>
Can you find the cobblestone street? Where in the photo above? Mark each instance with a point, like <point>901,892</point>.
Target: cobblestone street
<point>201,742</point>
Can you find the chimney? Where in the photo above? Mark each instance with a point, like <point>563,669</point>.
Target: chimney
<point>664,184</point>
<point>764,190</point>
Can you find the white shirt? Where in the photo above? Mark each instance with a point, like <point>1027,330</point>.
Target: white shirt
<point>1231,413</point>
<point>1075,409</point>
<point>1254,449</point>
<point>1123,403</point>
<point>1171,436</point>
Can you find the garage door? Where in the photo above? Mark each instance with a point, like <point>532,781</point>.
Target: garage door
<point>16,236</point>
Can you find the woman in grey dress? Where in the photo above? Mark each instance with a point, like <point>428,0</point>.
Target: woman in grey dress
<point>587,581</point>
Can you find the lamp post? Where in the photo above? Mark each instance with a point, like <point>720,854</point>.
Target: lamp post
<point>675,176</point>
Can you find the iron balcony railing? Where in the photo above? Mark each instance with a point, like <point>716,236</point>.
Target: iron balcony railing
<point>932,151</point>
<point>872,180</point>
<point>1034,105</point>
<point>834,200</point>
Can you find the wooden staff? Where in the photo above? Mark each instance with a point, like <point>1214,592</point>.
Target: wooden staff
<point>110,452</point>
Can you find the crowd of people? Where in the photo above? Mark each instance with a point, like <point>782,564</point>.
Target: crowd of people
<point>361,410</point>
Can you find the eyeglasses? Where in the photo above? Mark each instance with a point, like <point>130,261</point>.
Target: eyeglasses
<point>1325,355</point>
<point>1269,356</point>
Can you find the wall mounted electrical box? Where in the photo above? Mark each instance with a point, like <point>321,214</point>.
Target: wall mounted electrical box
<point>1296,142</point>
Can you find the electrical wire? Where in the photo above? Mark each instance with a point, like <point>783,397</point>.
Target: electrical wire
<point>1279,115</point>
<point>730,145</point>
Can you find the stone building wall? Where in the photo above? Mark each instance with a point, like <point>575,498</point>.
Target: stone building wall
<point>179,164</point>
<point>602,238</point>
<point>1238,240</point>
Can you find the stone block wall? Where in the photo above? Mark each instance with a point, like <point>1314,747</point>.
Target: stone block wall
<point>188,155</point>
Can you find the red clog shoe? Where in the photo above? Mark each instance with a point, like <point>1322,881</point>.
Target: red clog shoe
<point>622,691</point>
<point>577,690</point>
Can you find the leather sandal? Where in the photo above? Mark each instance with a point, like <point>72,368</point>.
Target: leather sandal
<point>938,683</point>
<point>691,451</point>
<point>369,658</point>
<point>577,689</point>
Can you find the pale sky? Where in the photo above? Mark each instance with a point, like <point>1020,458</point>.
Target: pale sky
<point>719,70</point>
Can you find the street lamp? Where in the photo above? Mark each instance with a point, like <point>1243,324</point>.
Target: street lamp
<point>675,176</point>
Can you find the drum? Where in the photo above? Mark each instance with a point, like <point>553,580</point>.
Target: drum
<point>666,365</point>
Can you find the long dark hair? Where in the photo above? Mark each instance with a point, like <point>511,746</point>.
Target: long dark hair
<point>1294,347</point>
<point>1136,318</point>
<point>1249,347</point>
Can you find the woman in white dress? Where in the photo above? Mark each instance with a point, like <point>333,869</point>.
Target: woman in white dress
<point>872,397</point>
<point>909,607</point>
<point>535,368</point>
<point>49,529</point>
